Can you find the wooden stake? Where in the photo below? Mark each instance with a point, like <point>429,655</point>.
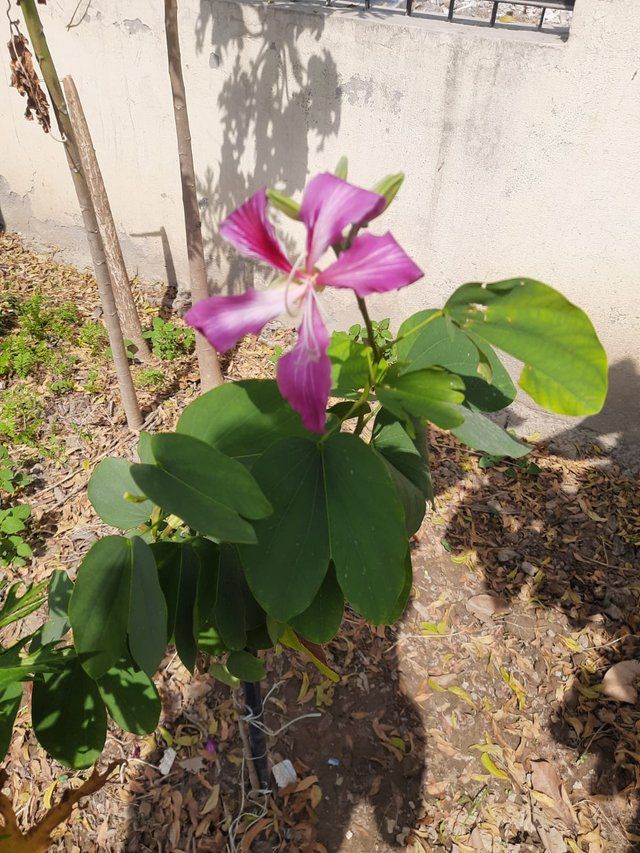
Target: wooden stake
<point>210,373</point>
<point>111,318</point>
<point>122,289</point>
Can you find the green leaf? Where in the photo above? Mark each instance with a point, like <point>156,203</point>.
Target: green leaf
<point>10,701</point>
<point>208,554</point>
<point>60,589</point>
<point>430,394</point>
<point>389,187</point>
<point>428,340</point>
<point>147,624</point>
<point>286,569</point>
<point>258,638</point>
<point>211,492</point>
<point>241,419</point>
<point>349,364</point>
<point>144,448</point>
<point>131,698</point>
<point>333,500</point>
<point>408,469</point>
<point>178,569</point>
<point>69,717</point>
<point>482,434</point>
<point>109,483</point>
<point>565,366</point>
<point>99,606</point>
<point>245,666</point>
<point>366,524</point>
<point>405,592</point>
<point>230,610</point>
<point>220,672</point>
<point>482,394</point>
<point>321,620</point>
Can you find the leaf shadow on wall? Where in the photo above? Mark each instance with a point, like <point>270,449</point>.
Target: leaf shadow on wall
<point>276,107</point>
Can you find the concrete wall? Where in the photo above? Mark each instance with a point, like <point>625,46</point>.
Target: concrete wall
<point>521,149</point>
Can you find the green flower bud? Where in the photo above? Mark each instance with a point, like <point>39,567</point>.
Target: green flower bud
<point>283,203</point>
<point>342,169</point>
<point>389,186</point>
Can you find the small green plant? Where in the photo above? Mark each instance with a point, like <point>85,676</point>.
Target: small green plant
<point>150,377</point>
<point>14,550</point>
<point>20,354</point>
<point>11,480</point>
<point>169,340</point>
<point>93,336</point>
<point>382,337</point>
<point>21,415</point>
<point>93,382</point>
<point>63,368</point>
<point>41,322</point>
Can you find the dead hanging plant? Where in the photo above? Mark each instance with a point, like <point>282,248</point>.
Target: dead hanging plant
<point>38,838</point>
<point>25,80</point>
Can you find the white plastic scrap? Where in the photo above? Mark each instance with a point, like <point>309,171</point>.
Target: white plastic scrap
<point>284,773</point>
<point>166,762</point>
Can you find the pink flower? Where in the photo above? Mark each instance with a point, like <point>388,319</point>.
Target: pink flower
<point>370,265</point>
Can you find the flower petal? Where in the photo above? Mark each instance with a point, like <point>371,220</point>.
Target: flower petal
<point>248,228</point>
<point>223,320</point>
<point>371,265</point>
<point>329,204</point>
<point>304,374</point>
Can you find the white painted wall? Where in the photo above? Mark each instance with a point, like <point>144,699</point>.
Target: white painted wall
<point>522,151</point>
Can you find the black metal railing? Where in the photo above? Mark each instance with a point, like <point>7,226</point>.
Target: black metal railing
<point>543,5</point>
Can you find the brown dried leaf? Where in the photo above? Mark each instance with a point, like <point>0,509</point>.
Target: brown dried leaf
<point>25,80</point>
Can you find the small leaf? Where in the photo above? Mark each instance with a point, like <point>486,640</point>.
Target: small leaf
<point>245,666</point>
<point>489,764</point>
<point>109,483</point>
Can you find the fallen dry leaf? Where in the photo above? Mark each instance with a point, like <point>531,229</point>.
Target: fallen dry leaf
<point>486,606</point>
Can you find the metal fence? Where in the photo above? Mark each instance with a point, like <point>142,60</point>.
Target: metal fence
<point>543,5</point>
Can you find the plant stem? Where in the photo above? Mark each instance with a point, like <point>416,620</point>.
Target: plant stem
<point>362,305</point>
<point>417,328</point>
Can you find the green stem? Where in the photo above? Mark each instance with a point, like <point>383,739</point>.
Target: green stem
<point>354,408</point>
<point>362,305</point>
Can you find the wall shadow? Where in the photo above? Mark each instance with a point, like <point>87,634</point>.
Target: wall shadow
<point>272,110</point>
<point>565,540</point>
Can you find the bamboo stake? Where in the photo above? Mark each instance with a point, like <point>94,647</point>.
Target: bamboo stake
<point>122,289</point>
<point>107,299</point>
<point>210,373</point>
<point>100,201</point>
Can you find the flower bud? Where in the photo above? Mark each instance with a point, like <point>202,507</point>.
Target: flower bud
<point>285,204</point>
<point>342,169</point>
<point>389,186</point>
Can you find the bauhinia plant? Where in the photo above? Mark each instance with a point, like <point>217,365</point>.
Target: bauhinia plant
<point>275,504</point>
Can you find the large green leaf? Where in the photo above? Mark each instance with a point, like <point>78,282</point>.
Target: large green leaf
<point>131,698</point>
<point>408,469</point>
<point>69,717</point>
<point>430,393</point>
<point>479,432</point>
<point>331,500</point>
<point>241,419</point>
<point>321,620</point>
<point>99,607</point>
<point>213,493</point>
<point>208,554</point>
<point>287,567</point>
<point>366,526</point>
<point>109,483</point>
<point>425,342</point>
<point>565,366</point>
<point>230,609</point>
<point>178,570</point>
<point>147,624</point>
<point>496,391</point>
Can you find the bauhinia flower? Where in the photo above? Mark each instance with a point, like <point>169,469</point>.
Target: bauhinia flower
<point>371,264</point>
